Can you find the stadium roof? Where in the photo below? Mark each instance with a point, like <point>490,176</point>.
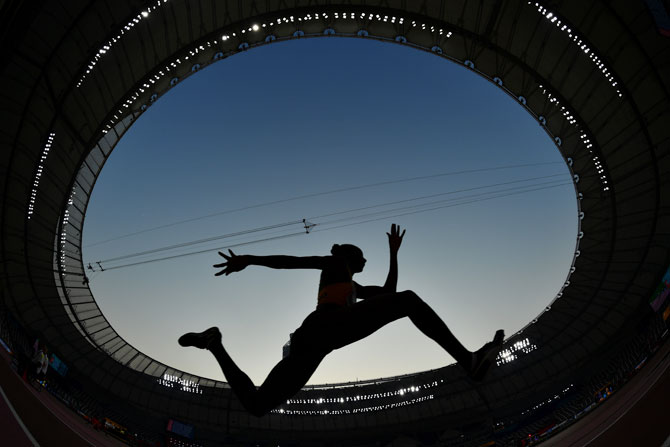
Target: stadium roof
<point>75,75</point>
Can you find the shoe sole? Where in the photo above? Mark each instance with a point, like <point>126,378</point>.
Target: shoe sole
<point>198,339</point>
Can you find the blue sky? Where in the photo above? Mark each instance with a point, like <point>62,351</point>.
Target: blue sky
<point>311,116</point>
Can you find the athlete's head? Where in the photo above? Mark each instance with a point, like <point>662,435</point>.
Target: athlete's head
<point>352,254</point>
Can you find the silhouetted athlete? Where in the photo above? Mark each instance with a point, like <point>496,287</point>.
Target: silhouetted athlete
<point>338,320</point>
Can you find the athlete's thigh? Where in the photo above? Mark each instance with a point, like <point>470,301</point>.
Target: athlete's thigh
<point>366,317</point>
<point>314,337</point>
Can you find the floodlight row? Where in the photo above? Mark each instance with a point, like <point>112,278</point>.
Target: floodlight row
<point>193,51</point>
<point>585,139</point>
<point>63,233</point>
<point>359,397</point>
<point>553,18</point>
<point>172,381</point>
<point>38,174</point>
<point>110,43</point>
<point>513,352</point>
<point>404,403</point>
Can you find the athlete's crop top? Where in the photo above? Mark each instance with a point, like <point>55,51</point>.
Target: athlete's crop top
<point>336,286</point>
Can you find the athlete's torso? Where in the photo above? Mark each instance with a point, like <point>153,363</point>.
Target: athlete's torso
<point>336,286</point>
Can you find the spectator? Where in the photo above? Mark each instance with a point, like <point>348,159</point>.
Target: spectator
<point>41,359</point>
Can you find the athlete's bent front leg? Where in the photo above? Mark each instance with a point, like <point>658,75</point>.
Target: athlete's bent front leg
<point>368,316</point>
<point>373,313</point>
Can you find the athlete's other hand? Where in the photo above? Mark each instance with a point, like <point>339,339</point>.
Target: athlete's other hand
<point>395,238</point>
<point>232,264</point>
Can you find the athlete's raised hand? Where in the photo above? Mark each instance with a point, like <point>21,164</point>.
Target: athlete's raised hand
<point>395,237</point>
<point>232,264</point>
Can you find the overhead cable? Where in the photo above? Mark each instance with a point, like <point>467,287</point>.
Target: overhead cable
<point>317,194</point>
<point>307,225</point>
<point>368,217</point>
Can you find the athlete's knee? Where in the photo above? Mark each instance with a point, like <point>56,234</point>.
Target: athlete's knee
<point>410,297</point>
<point>412,302</point>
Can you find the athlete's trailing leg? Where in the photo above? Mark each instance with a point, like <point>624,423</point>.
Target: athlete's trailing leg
<point>285,379</point>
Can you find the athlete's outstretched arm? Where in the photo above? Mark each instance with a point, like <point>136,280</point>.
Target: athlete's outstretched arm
<point>395,240</point>
<point>234,263</point>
